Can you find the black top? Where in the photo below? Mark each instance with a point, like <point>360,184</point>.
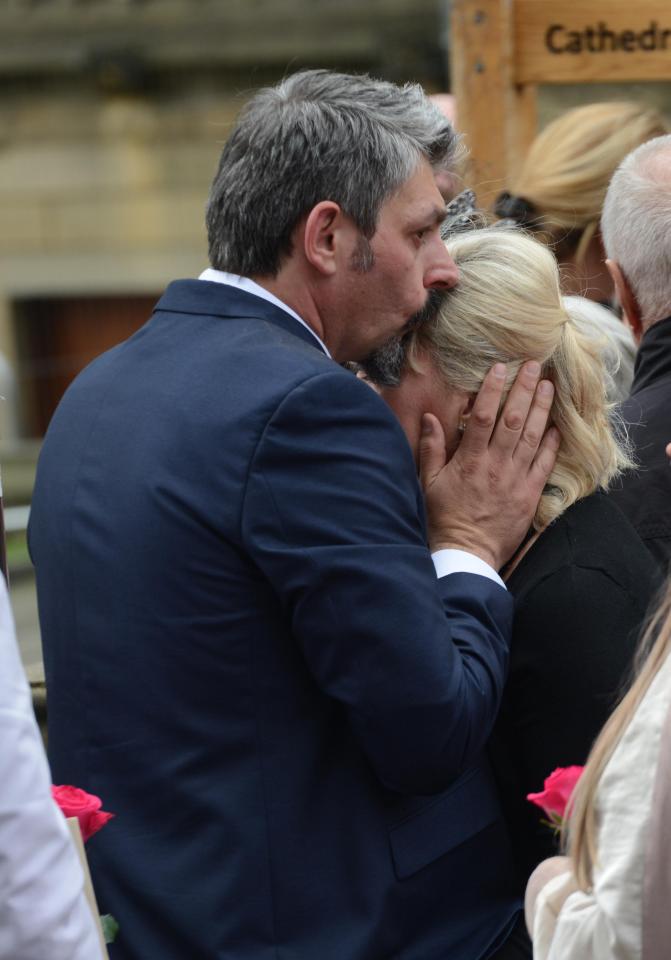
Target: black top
<point>644,495</point>
<point>581,593</point>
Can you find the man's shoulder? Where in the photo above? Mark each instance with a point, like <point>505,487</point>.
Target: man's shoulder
<point>646,400</point>
<point>222,336</point>
<point>645,415</point>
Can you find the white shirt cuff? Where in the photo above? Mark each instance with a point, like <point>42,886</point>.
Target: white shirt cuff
<point>459,561</point>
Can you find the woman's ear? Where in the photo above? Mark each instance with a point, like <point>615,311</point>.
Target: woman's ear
<point>467,405</point>
<point>465,408</point>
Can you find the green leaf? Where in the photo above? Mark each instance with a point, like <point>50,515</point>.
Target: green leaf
<point>110,927</point>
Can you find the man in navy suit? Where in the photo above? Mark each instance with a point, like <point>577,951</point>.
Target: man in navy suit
<point>250,653</point>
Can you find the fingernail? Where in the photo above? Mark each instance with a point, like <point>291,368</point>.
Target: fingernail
<point>427,426</point>
<point>500,370</point>
<point>545,387</point>
<point>534,368</point>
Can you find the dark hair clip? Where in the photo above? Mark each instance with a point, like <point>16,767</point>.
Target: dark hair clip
<point>462,214</point>
<point>519,209</point>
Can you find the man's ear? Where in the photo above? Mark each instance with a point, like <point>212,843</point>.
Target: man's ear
<point>630,308</point>
<point>320,234</point>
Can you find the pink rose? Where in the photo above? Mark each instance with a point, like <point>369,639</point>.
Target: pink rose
<point>558,787</point>
<point>85,806</point>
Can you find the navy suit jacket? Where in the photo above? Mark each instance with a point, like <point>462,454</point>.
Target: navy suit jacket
<point>250,659</point>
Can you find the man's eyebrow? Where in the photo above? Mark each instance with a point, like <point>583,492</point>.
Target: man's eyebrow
<point>429,217</point>
<point>439,214</point>
<point>433,217</point>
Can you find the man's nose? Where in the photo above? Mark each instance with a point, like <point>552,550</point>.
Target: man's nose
<point>443,273</point>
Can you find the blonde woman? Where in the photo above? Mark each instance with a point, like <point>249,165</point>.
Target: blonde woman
<point>582,580</point>
<point>610,901</point>
<point>560,189</point>
<point>559,194</point>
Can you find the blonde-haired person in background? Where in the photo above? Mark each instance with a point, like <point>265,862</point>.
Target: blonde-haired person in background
<point>610,900</point>
<point>559,193</point>
<point>582,580</point>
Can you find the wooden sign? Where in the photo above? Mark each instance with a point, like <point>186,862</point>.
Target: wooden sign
<point>496,116</point>
<point>501,50</point>
<point>603,41</point>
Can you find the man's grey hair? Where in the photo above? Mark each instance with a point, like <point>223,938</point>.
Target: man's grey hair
<point>636,226</point>
<point>317,136</point>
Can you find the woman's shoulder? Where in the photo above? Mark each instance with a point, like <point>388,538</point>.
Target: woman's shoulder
<point>592,534</point>
<point>599,534</point>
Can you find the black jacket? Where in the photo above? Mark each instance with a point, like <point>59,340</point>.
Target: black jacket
<point>581,594</point>
<point>644,495</point>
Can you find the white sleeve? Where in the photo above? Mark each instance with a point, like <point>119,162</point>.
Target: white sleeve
<point>43,913</point>
<point>460,561</point>
<point>570,923</point>
<point>605,923</point>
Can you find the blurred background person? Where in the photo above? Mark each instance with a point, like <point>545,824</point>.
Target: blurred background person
<point>559,194</point>
<point>612,337</point>
<point>449,181</point>
<point>636,226</point>
<point>582,580</point>
<point>610,899</point>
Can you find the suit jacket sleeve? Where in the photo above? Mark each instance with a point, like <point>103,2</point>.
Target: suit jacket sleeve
<point>332,515</point>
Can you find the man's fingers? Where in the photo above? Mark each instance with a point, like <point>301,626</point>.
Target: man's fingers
<point>516,410</point>
<point>536,422</point>
<point>544,460</point>
<point>431,450</point>
<point>485,409</point>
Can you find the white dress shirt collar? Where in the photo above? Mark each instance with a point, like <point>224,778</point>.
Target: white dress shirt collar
<point>244,283</point>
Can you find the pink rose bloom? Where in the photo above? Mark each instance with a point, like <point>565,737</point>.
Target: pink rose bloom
<point>558,787</point>
<point>84,806</point>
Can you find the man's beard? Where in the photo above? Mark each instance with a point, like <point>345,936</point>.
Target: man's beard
<point>385,364</point>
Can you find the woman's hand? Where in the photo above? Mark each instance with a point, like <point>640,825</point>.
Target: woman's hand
<point>545,871</point>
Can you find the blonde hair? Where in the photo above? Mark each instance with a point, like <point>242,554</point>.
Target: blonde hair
<point>569,165</point>
<point>582,827</point>
<point>507,307</point>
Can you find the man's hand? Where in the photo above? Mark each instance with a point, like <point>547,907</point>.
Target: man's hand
<point>484,499</point>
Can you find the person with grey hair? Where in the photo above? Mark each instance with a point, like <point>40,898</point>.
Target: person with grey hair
<point>249,649</point>
<point>636,227</point>
<point>614,340</point>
